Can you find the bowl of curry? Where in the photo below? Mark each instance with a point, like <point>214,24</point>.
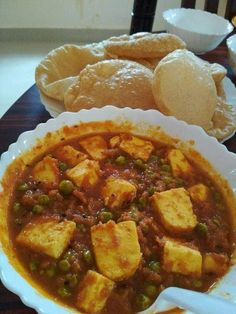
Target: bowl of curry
<point>103,209</point>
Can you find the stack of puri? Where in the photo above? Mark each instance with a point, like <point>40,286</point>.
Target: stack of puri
<point>144,70</point>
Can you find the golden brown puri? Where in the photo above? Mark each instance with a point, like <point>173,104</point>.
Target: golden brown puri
<point>58,70</point>
<point>220,90</point>
<point>148,63</point>
<point>183,88</point>
<point>111,82</point>
<point>143,45</point>
<point>224,120</point>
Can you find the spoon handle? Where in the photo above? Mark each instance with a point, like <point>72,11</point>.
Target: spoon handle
<point>199,303</point>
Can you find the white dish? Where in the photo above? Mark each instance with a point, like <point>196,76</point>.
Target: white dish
<point>55,107</point>
<point>231,44</point>
<point>209,148</point>
<point>201,30</point>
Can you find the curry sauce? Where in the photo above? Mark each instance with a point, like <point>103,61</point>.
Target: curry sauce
<point>105,222</point>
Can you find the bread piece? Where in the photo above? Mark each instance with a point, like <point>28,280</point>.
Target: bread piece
<point>199,192</point>
<point>181,259</point>
<point>117,192</point>
<point>47,236</point>
<point>46,171</point>
<point>111,82</point>
<point>217,71</point>
<point>114,141</point>
<point>183,88</point>
<point>70,155</point>
<point>93,293</point>
<point>59,69</point>
<point>143,45</point>
<point>136,147</point>
<point>116,249</point>
<point>85,174</point>
<point>175,210</point>
<point>215,263</point>
<point>224,121</point>
<point>179,163</point>
<point>95,146</point>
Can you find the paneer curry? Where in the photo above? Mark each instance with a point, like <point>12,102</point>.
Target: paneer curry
<point>105,222</point>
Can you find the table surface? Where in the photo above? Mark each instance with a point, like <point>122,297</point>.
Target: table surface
<point>24,115</point>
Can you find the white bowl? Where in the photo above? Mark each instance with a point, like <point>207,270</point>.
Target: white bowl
<point>141,122</point>
<point>202,31</point>
<point>231,44</point>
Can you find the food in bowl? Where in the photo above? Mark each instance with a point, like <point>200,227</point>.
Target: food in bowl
<point>118,82</point>
<point>143,45</point>
<point>178,94</point>
<point>202,31</point>
<point>121,71</point>
<point>231,44</point>
<point>104,217</point>
<point>61,66</point>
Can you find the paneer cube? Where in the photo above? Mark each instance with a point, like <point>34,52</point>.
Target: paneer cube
<point>179,163</point>
<point>116,249</point>
<point>178,258</point>
<point>47,171</point>
<point>115,141</point>
<point>117,192</point>
<point>136,147</point>
<point>70,155</point>
<point>175,210</point>
<point>215,263</point>
<point>85,174</point>
<point>95,146</point>
<point>94,291</point>
<point>199,192</point>
<point>48,236</point>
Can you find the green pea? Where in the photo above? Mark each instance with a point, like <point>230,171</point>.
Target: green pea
<point>120,160</point>
<point>64,292</point>
<point>166,168</point>
<point>167,179</point>
<point>142,202</point>
<point>154,265</point>
<point>50,272</point>
<point>33,265</point>
<point>140,164</point>
<point>37,209</point>
<point>217,197</point>
<point>162,161</point>
<point>106,216</point>
<point>88,257</point>
<point>201,229</point>
<point>81,227</point>
<point>66,187</point>
<point>63,166</point>
<point>23,187</point>
<point>44,199</point>
<point>17,207</point>
<point>64,265</point>
<point>151,191</point>
<point>150,290</point>
<point>154,158</point>
<point>216,222</point>
<point>145,229</point>
<point>142,301</point>
<point>18,221</point>
<point>197,283</point>
<point>179,182</point>
<point>73,280</point>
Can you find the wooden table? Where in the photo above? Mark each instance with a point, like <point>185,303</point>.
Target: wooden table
<point>24,115</point>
